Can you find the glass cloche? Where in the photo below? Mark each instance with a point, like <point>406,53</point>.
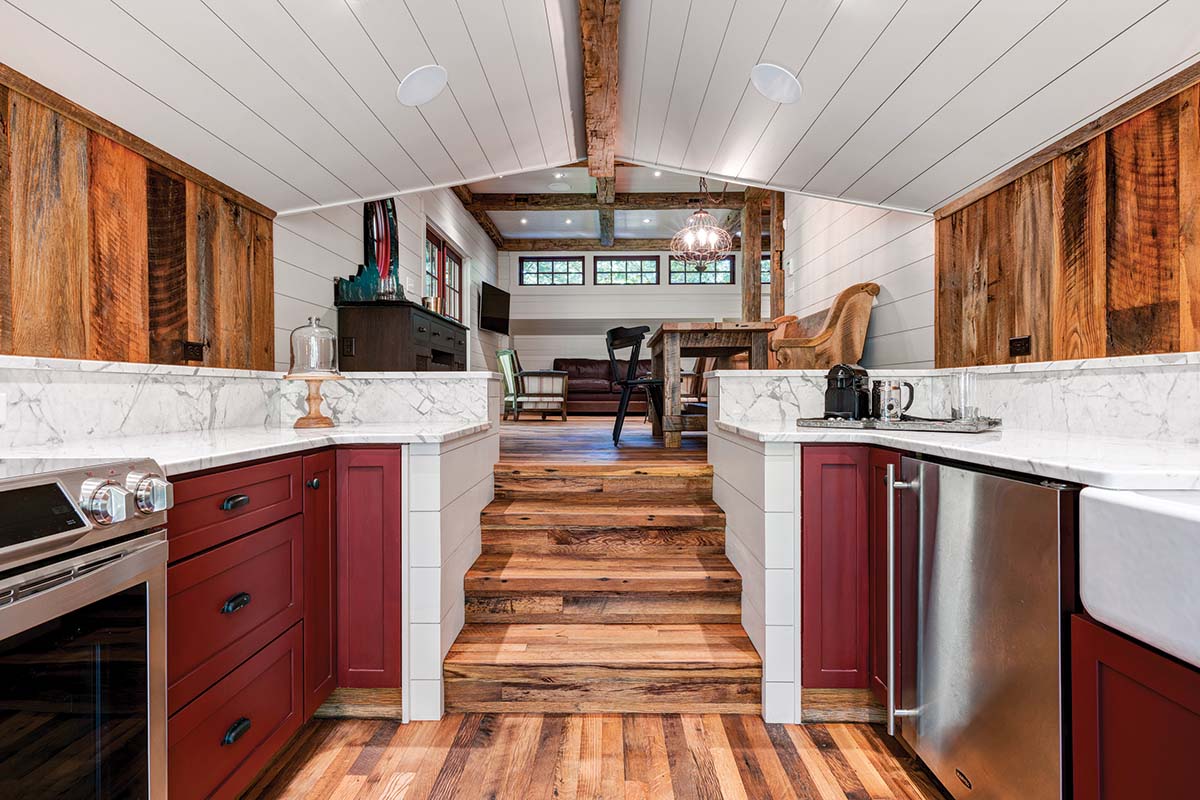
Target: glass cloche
<point>314,350</point>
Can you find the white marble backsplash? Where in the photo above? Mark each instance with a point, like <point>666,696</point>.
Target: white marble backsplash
<point>51,401</point>
<point>1145,397</point>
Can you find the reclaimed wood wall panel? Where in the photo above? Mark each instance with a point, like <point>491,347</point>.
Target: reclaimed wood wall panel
<point>49,246</point>
<point>1078,286</point>
<point>119,314</point>
<point>108,252</point>
<point>1096,253</point>
<point>166,212</point>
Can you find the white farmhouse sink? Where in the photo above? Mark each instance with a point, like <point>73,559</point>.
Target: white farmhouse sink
<point>1139,566</point>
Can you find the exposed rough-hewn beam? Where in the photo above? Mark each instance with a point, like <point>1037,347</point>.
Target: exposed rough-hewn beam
<point>622,201</point>
<point>777,245</point>
<point>752,225</point>
<point>481,216</point>
<point>608,226</point>
<point>606,191</point>
<point>577,245</point>
<point>598,33</point>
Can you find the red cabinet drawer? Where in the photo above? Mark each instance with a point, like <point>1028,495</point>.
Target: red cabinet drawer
<point>219,743</point>
<point>212,509</point>
<point>227,603</point>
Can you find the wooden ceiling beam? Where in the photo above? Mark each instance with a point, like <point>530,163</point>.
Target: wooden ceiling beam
<point>608,226</point>
<point>598,34</point>
<point>752,230</point>
<point>481,216</point>
<point>583,245</point>
<point>622,201</point>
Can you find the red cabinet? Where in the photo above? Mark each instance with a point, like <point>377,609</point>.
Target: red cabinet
<point>1135,718</point>
<point>878,495</point>
<point>835,591</point>
<point>368,559</point>
<point>320,580</point>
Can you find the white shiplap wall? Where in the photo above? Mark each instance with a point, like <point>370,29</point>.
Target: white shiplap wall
<point>614,304</point>
<point>831,245</point>
<point>313,248</point>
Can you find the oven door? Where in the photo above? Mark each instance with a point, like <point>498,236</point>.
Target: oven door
<point>83,675</point>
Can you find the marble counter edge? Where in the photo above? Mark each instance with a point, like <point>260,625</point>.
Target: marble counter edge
<point>1141,475</point>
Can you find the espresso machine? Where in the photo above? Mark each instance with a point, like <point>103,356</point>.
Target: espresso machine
<point>847,393</point>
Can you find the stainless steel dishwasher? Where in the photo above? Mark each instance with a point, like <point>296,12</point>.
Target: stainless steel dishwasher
<point>976,627</point>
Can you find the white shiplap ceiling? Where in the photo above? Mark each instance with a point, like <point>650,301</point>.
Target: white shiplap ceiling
<point>293,101</point>
<point>907,103</point>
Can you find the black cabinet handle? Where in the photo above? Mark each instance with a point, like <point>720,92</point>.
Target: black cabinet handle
<point>315,483</point>
<point>435,333</point>
<point>234,501</point>
<point>421,329</point>
<point>236,731</point>
<point>236,603</point>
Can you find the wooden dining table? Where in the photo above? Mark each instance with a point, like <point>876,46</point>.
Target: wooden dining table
<point>675,340</point>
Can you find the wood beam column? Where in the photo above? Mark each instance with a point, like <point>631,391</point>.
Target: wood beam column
<point>481,216</point>
<point>777,246</point>
<point>598,34</point>
<point>606,195</point>
<point>751,254</point>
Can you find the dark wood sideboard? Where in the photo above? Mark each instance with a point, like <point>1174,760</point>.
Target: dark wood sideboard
<point>399,336</point>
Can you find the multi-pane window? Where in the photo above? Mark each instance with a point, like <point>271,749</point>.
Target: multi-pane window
<point>764,269</point>
<point>551,271</point>
<point>443,275</point>
<point>625,270</point>
<point>719,271</point>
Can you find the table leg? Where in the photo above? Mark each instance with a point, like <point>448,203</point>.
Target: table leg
<point>656,371</point>
<point>672,407</point>
<point>758,350</point>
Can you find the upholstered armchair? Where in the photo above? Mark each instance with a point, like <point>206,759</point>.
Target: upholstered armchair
<point>838,339</point>
<point>541,391</point>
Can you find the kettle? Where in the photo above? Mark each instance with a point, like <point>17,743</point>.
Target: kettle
<point>847,395</point>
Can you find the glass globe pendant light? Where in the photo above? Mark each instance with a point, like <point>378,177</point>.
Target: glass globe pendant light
<point>701,240</point>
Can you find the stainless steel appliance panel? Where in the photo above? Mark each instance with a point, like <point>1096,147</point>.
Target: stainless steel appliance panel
<point>980,631</point>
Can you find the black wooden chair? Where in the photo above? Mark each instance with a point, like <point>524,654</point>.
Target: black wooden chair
<point>631,339</point>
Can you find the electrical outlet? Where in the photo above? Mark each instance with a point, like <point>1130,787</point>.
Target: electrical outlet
<point>193,351</point>
<point>1020,346</point>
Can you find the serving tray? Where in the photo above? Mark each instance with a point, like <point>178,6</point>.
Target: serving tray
<point>977,425</point>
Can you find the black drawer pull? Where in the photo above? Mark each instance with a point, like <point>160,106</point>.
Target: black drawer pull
<point>235,501</point>
<point>435,333</point>
<point>236,731</point>
<point>315,483</point>
<point>421,329</point>
<point>236,603</point>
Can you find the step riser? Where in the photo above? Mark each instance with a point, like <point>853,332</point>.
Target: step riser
<point>612,518</point>
<point>542,488</point>
<point>596,541</point>
<point>557,691</point>
<point>612,470</point>
<point>507,587</point>
<point>604,609</point>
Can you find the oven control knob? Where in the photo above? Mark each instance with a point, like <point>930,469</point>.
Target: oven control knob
<point>152,493</point>
<point>106,502</point>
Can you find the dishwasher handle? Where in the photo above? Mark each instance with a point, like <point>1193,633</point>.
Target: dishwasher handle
<point>893,486</point>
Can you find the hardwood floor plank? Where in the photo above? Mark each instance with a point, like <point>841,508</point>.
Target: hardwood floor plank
<point>612,769</point>
<point>431,761</point>
<point>818,770</point>
<point>724,762</point>
<point>852,750</point>
<point>446,783</point>
<point>708,781</point>
<point>591,755</point>
<point>397,765</point>
<point>746,759</point>
<point>570,754</point>
<point>373,750</point>
<point>845,775</point>
<point>647,767</point>
<point>790,762</point>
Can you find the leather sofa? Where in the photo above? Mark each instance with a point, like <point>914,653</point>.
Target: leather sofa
<point>590,389</point>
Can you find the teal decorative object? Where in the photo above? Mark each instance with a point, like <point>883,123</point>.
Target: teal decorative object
<point>378,278</point>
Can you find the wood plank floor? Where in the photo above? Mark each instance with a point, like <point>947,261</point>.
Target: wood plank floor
<point>589,439</point>
<point>586,757</point>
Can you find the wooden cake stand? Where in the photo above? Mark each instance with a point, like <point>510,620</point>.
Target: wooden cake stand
<point>314,418</point>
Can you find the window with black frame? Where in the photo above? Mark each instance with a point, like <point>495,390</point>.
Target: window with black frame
<point>720,271</point>
<point>764,269</point>
<point>625,270</point>
<point>550,271</point>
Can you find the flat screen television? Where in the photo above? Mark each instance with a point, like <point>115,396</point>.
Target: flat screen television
<point>493,309</point>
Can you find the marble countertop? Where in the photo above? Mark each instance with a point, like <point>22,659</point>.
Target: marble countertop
<point>1105,462</point>
<point>189,451</point>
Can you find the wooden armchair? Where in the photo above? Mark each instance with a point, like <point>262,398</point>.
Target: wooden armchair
<point>541,391</point>
<point>836,336</point>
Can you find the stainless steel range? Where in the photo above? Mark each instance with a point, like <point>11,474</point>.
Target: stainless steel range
<point>83,686</point>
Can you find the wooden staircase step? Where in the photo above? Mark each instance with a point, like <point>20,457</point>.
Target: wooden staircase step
<point>599,484</point>
<point>599,540</point>
<point>664,668</point>
<point>606,609</point>
<point>630,509</point>
<point>611,469</point>
<point>501,574</point>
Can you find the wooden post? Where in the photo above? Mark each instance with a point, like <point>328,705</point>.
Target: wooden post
<point>777,279</point>
<point>751,254</point>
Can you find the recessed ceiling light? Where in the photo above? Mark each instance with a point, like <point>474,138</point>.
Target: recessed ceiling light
<point>568,221</point>
<point>422,85</point>
<point>523,220</point>
<point>558,175</point>
<point>646,221</point>
<point>559,186</point>
<point>775,83</point>
<point>658,173</point>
